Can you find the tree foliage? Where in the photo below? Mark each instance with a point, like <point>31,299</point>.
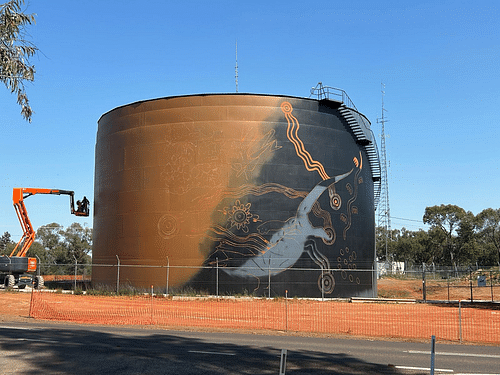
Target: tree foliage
<point>59,249</point>
<point>385,242</point>
<point>413,247</point>
<point>445,218</point>
<point>6,244</point>
<point>16,51</point>
<point>488,223</point>
<point>455,238</point>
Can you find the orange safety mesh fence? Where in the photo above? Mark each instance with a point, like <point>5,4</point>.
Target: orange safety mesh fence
<point>406,320</point>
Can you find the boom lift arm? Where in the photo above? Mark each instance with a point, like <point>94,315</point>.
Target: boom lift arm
<point>18,196</point>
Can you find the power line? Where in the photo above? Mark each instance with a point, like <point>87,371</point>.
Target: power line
<point>401,218</point>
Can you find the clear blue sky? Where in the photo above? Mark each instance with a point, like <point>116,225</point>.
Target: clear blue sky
<point>439,61</point>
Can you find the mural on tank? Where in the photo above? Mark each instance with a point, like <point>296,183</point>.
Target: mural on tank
<point>251,247</point>
<point>248,202</point>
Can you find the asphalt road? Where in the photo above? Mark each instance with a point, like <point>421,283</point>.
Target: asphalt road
<point>60,348</point>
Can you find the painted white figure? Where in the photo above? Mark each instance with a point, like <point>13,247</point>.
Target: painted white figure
<point>288,243</point>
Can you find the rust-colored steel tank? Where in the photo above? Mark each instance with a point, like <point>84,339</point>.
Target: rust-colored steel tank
<point>236,193</point>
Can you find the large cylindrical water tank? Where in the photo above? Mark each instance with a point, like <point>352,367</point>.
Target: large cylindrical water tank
<point>235,193</point>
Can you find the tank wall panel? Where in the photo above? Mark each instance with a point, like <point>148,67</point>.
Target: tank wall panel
<point>266,188</point>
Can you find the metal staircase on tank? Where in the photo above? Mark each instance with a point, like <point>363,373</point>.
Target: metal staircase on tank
<point>360,127</point>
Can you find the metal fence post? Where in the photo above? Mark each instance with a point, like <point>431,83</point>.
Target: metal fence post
<point>118,277</point>
<point>151,304</point>
<point>460,320</point>
<point>76,265</point>
<point>322,285</point>
<point>491,286</point>
<point>217,277</point>
<point>269,281</point>
<point>424,290</point>
<point>168,272</point>
<point>286,310</point>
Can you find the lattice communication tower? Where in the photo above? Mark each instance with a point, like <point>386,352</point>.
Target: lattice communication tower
<point>384,211</point>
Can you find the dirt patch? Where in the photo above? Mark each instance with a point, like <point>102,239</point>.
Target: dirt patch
<point>436,290</point>
<point>14,306</point>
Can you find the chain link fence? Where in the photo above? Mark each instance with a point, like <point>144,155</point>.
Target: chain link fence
<point>433,284</point>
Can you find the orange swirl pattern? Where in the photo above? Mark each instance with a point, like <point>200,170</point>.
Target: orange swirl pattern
<point>327,222</point>
<point>248,189</point>
<point>292,135</point>
<point>268,188</point>
<point>354,192</point>
<point>254,243</point>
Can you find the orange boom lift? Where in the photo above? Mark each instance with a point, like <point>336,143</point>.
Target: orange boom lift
<point>15,268</point>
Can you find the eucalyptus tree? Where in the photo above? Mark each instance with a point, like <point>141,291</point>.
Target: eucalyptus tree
<point>413,248</point>
<point>62,248</point>
<point>16,51</point>
<point>6,244</point>
<point>445,219</point>
<point>488,223</point>
<point>385,243</point>
<point>468,251</point>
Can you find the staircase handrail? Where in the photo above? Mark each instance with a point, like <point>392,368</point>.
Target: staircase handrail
<point>324,92</point>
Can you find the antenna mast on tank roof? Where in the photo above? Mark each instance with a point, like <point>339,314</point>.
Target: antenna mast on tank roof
<point>236,67</point>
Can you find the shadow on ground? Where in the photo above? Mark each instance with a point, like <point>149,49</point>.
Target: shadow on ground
<point>64,350</point>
